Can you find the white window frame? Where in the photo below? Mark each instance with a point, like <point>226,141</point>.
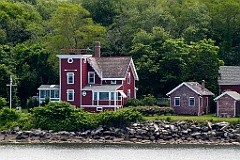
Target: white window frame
<point>70,91</point>
<point>175,99</point>
<point>69,75</point>
<point>128,93</point>
<point>89,78</point>
<point>189,101</point>
<point>128,78</point>
<point>95,94</point>
<point>70,60</point>
<point>99,109</point>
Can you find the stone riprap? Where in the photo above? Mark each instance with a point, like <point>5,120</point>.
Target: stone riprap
<point>147,132</point>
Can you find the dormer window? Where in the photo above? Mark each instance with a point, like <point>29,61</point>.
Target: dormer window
<point>70,78</point>
<point>129,78</point>
<point>91,77</point>
<point>113,82</point>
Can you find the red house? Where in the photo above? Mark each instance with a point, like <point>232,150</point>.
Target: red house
<point>228,104</point>
<point>95,83</point>
<point>190,98</point>
<point>229,78</point>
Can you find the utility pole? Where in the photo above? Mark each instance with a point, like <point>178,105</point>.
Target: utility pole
<point>10,86</point>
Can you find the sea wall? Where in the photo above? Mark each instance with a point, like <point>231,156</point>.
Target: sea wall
<point>158,132</point>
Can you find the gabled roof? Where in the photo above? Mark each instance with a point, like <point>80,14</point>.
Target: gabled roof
<point>233,94</point>
<point>229,75</point>
<point>49,87</point>
<point>194,86</point>
<point>112,67</point>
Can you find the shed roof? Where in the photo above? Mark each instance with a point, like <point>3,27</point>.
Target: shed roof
<point>229,75</point>
<point>106,87</point>
<point>49,87</point>
<point>194,86</point>
<point>235,95</point>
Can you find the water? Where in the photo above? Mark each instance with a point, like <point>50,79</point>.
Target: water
<point>117,152</point>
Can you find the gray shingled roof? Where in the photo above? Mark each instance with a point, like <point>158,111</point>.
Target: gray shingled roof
<point>195,86</point>
<point>229,75</point>
<point>52,86</point>
<point>110,67</point>
<point>232,94</point>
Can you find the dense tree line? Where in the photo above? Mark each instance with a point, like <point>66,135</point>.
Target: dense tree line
<point>170,40</point>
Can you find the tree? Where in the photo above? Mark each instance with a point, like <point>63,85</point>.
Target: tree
<point>72,28</point>
<point>203,64</point>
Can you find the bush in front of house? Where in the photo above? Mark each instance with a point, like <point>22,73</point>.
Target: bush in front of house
<point>8,118</point>
<point>59,116</point>
<point>155,110</point>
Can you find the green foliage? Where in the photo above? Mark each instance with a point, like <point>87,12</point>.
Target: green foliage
<point>155,110</point>
<point>3,102</point>
<point>120,118</point>
<point>149,100</point>
<point>8,118</point>
<point>132,102</point>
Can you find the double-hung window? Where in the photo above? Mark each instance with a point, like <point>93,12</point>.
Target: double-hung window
<point>70,95</point>
<point>191,101</point>
<point>91,78</point>
<point>129,94</point>
<point>129,78</point>
<point>176,101</point>
<point>70,78</point>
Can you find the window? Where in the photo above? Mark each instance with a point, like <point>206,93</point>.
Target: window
<point>70,60</point>
<point>191,101</point>
<point>70,78</point>
<point>95,95</point>
<point>103,95</point>
<point>129,93</point>
<point>119,96</point>
<point>91,78</point>
<point>99,109</point>
<point>54,93</point>
<point>44,93</point>
<point>177,101</point>
<point>129,78</point>
<point>70,95</point>
<point>200,101</point>
<point>112,96</point>
<point>113,82</point>
<point>206,101</point>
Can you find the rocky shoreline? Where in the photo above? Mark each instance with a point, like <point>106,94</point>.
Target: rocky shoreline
<point>147,132</point>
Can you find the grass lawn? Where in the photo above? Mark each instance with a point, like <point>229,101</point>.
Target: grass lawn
<point>200,119</point>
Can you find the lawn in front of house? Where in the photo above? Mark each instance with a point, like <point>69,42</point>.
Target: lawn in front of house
<point>200,119</point>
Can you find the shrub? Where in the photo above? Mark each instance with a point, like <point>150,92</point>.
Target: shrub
<point>149,100</point>
<point>155,110</point>
<point>3,102</point>
<point>132,102</point>
<point>8,118</point>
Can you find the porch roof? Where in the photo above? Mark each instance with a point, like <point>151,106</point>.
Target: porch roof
<point>49,87</point>
<point>107,87</point>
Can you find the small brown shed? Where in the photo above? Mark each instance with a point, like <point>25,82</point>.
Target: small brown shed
<point>228,104</point>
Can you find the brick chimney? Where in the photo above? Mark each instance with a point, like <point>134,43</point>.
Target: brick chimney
<point>203,84</point>
<point>97,51</point>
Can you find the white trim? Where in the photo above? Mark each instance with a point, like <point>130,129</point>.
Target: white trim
<point>175,102</point>
<point>217,108</point>
<point>234,109</point>
<point>228,93</point>
<point>133,69</point>
<point>70,60</point>
<point>180,85</point>
<point>62,56</point>
<point>104,106</point>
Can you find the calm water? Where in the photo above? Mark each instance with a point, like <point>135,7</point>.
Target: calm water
<point>117,152</point>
